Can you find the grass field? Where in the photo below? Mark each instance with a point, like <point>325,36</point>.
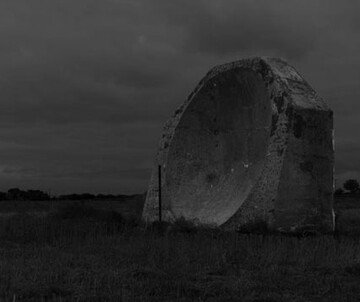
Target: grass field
<point>90,252</point>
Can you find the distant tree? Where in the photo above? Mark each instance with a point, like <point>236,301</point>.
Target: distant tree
<point>105,197</point>
<point>70,197</point>
<point>36,195</point>
<point>86,196</point>
<point>339,191</point>
<point>83,196</point>
<point>3,196</point>
<point>351,185</point>
<point>15,194</point>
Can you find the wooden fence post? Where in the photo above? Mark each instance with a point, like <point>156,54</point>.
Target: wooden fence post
<point>159,173</point>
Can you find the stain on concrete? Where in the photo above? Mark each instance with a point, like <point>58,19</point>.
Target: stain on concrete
<point>307,166</point>
<point>212,178</point>
<point>289,112</point>
<point>280,150</point>
<point>279,102</point>
<point>274,120</point>
<point>299,125</point>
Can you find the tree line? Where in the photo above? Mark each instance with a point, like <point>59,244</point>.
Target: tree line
<point>18,194</point>
<point>350,186</point>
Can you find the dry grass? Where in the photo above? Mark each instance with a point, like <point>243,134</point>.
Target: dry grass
<point>347,208</point>
<point>82,254</point>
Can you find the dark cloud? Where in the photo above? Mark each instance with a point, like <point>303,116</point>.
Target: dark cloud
<point>86,86</point>
<point>247,26</point>
<point>291,29</point>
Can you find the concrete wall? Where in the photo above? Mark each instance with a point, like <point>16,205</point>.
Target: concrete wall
<point>252,142</point>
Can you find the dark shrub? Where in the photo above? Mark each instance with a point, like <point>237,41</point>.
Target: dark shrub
<point>257,226</point>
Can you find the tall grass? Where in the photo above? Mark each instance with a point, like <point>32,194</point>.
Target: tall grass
<point>80,254</point>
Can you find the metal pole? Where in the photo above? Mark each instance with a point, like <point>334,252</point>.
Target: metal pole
<point>159,173</point>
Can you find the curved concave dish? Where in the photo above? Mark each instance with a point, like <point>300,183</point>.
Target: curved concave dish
<point>253,143</point>
<point>219,147</point>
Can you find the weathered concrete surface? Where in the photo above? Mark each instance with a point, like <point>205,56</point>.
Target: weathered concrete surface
<point>252,142</point>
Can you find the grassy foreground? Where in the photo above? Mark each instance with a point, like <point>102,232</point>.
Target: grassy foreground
<point>82,254</point>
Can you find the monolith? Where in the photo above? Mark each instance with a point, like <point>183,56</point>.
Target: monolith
<point>252,143</point>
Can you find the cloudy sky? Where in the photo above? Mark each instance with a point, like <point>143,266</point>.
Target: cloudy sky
<point>86,85</point>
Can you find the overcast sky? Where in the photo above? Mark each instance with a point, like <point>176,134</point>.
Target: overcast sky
<point>86,85</point>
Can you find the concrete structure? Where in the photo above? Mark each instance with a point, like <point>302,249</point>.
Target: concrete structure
<point>252,142</point>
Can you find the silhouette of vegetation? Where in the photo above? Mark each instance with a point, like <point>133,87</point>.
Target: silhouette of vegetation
<point>88,196</point>
<point>84,196</point>
<point>352,185</point>
<point>339,191</point>
<point>258,226</point>
<point>18,194</point>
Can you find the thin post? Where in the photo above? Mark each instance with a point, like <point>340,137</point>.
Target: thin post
<point>159,173</point>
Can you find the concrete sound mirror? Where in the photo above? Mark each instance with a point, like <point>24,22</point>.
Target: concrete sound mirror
<point>253,142</point>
